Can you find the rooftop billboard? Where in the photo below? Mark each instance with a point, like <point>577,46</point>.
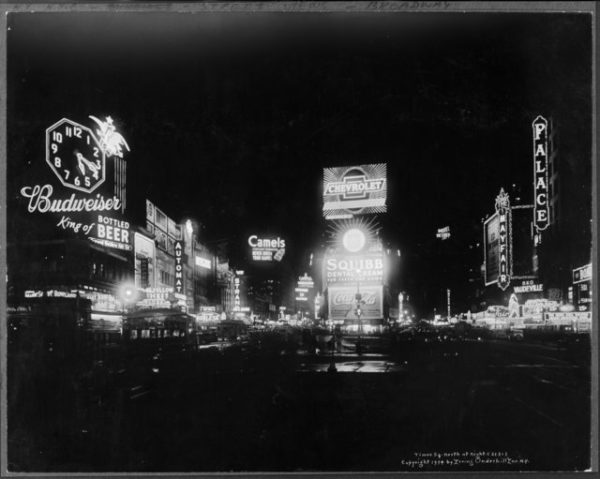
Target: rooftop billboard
<point>354,190</point>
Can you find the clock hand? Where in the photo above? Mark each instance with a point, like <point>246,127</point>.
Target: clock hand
<point>80,164</point>
<point>83,161</point>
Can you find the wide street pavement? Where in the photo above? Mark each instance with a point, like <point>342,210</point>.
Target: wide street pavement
<point>444,405</point>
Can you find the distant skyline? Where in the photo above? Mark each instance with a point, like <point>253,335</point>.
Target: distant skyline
<point>231,117</point>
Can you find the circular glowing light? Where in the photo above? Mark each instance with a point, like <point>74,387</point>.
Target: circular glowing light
<point>354,240</point>
<point>127,293</point>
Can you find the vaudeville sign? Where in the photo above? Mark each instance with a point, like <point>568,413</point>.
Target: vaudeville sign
<point>77,156</point>
<point>504,225</point>
<point>540,173</point>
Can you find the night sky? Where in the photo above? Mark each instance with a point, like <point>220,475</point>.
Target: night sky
<point>231,117</point>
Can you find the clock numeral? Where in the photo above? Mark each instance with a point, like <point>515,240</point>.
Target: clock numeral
<point>54,147</point>
<point>98,164</point>
<point>57,162</point>
<point>87,138</point>
<point>69,131</point>
<point>87,182</point>
<point>77,132</point>
<point>67,173</point>
<point>96,152</point>
<point>57,137</point>
<point>76,181</point>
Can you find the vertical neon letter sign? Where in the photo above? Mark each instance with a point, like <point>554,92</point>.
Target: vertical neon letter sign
<point>504,227</point>
<point>540,173</point>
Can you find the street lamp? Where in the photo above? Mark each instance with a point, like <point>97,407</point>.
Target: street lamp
<point>128,295</point>
<point>400,306</point>
<point>332,368</point>
<point>358,298</point>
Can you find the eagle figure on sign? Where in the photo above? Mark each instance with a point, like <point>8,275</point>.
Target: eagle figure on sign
<point>110,139</point>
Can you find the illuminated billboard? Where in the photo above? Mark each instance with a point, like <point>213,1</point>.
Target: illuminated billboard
<point>304,288</point>
<point>266,249</point>
<point>354,190</point>
<point>582,274</point>
<point>112,232</point>
<point>342,302</point>
<point>205,263</point>
<point>443,233</point>
<point>491,248</point>
<point>344,268</point>
<point>75,193</point>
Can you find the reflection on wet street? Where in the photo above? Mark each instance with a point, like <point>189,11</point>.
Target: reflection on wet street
<point>372,363</point>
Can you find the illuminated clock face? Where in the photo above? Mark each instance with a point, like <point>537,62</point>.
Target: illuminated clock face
<point>75,155</point>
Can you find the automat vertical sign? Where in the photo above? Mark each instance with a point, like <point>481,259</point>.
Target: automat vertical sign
<point>179,267</point>
<point>505,240</point>
<point>540,173</point>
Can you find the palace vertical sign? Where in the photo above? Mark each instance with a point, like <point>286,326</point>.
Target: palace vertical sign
<point>505,243</point>
<point>540,173</point>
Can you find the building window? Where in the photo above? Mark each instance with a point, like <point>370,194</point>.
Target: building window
<point>167,278</point>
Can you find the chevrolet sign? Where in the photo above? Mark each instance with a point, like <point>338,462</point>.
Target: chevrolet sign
<point>354,190</point>
<point>355,187</point>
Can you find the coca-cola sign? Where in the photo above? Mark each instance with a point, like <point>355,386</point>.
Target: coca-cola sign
<point>347,297</point>
<point>343,302</point>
